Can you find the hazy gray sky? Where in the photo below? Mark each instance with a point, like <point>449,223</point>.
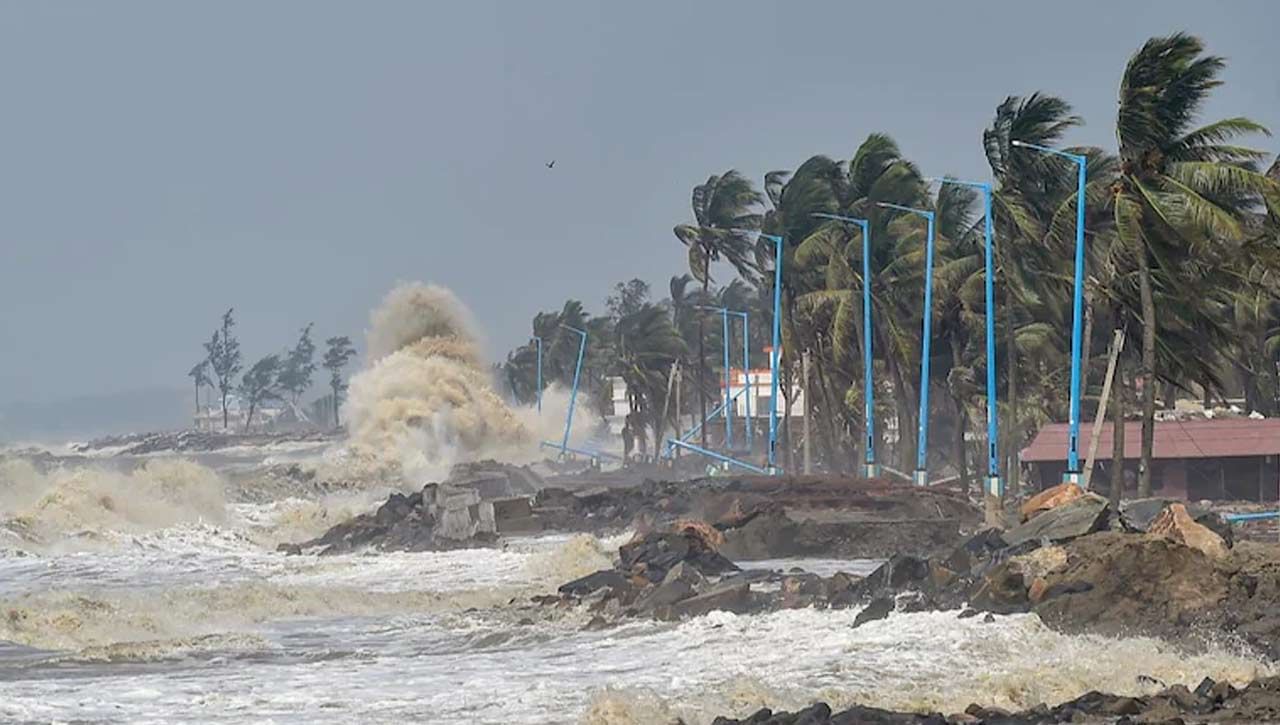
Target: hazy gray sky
<point>162,161</point>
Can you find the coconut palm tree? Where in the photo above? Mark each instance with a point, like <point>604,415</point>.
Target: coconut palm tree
<point>722,206</point>
<point>647,343</point>
<point>1182,192</point>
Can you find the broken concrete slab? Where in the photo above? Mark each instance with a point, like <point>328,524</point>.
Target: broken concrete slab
<point>1082,515</point>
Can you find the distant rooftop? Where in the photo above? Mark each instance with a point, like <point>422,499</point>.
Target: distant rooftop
<point>1223,438</point>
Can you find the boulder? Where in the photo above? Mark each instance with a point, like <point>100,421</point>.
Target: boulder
<point>709,536</point>
<point>682,581</point>
<point>1049,499</point>
<point>1082,515</point>
<point>727,596</point>
<point>606,579</point>
<point>1175,523</point>
<point>876,609</point>
<point>1003,591</point>
<point>653,555</point>
<point>1138,515</point>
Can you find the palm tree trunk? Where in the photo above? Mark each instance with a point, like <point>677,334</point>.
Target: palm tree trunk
<point>906,416</point>
<point>962,420</point>
<point>1148,373</point>
<point>1117,437</point>
<point>1013,432</point>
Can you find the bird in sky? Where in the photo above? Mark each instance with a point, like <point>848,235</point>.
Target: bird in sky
<point>551,164</point>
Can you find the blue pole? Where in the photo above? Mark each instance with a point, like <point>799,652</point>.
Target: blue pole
<point>538,340</point>
<point>994,485</point>
<point>1077,315</point>
<point>773,354</point>
<point>922,429</point>
<point>868,396</point>
<point>922,446</point>
<point>871,468</point>
<point>728,401</point>
<point>1072,474</point>
<point>573,396</point>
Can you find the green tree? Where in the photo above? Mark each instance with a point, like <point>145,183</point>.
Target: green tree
<point>337,354</point>
<point>628,297</point>
<point>298,366</point>
<point>200,376</point>
<point>223,352</point>
<point>1181,195</point>
<point>259,385</point>
<point>648,343</point>
<point>722,206</point>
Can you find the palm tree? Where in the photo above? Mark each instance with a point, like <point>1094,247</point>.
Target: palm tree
<point>1182,192</point>
<point>722,206</point>
<point>1027,190</point>
<point>877,172</point>
<point>647,343</point>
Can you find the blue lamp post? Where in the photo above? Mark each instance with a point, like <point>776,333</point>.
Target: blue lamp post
<point>922,429</point>
<point>777,343</point>
<point>728,406</point>
<point>871,468</point>
<point>573,396</point>
<point>746,372</point>
<point>994,485</point>
<point>538,342</point>
<point>1072,474</point>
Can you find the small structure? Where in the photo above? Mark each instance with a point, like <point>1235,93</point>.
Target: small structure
<point>1234,458</point>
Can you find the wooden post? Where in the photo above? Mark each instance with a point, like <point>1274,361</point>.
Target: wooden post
<point>1117,344</point>
<point>807,410</point>
<point>666,411</point>
<point>679,409</point>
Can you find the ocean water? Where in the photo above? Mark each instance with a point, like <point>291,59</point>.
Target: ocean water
<point>181,611</point>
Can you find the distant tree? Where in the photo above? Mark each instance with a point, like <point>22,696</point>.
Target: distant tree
<point>260,385</point>
<point>200,374</point>
<point>723,209</point>
<point>336,357</point>
<point>627,298</point>
<point>224,358</point>
<point>298,366</point>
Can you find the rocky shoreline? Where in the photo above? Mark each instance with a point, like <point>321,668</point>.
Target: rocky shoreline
<point>760,517</point>
<point>1209,702</point>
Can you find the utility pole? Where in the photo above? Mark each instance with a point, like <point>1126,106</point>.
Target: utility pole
<point>808,445</point>
<point>1117,344</point>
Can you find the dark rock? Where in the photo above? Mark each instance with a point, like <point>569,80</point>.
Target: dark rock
<point>1071,520</point>
<point>654,554</point>
<point>732,597</point>
<point>289,549</point>
<point>878,608</point>
<point>605,579</point>
<point>681,582</point>
<point>1003,589</point>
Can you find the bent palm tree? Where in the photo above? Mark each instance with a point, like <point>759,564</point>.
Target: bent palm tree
<point>1181,194</point>
<point>722,206</point>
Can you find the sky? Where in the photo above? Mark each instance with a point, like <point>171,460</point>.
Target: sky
<point>163,161</point>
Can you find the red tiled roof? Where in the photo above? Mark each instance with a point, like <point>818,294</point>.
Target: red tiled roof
<point>1224,438</point>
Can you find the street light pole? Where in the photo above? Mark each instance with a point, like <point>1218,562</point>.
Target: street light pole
<point>995,487</point>
<point>728,388</point>
<point>777,343</point>
<point>1072,474</point>
<point>870,469</point>
<point>573,396</point>
<point>922,430</point>
<point>746,372</point>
